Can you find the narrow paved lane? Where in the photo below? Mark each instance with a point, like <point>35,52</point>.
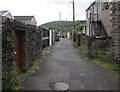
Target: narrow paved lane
<point>65,64</point>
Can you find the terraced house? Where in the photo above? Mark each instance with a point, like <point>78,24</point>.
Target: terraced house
<point>6,13</point>
<point>27,19</point>
<point>100,38</point>
<point>98,19</point>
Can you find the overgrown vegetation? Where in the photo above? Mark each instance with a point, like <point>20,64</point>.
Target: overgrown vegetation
<point>80,26</point>
<point>106,63</point>
<point>13,80</point>
<point>22,76</point>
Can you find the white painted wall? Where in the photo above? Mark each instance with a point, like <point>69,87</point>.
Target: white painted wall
<point>68,35</point>
<point>50,35</point>
<point>84,31</point>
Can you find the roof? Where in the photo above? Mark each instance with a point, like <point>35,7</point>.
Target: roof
<point>23,17</point>
<point>90,6</point>
<point>4,12</point>
<point>44,28</point>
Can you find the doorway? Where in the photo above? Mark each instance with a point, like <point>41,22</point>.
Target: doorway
<point>20,49</point>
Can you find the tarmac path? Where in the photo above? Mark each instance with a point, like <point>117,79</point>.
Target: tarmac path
<point>65,64</point>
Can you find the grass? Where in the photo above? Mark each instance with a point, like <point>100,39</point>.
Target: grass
<point>106,63</point>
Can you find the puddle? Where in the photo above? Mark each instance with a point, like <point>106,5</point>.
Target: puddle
<point>83,74</point>
<point>61,86</point>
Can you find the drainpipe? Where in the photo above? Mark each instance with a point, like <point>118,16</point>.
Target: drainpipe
<point>90,26</point>
<point>97,17</point>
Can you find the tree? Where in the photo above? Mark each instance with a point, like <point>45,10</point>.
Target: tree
<point>80,26</point>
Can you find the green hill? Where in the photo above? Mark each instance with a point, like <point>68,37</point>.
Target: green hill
<point>64,25</point>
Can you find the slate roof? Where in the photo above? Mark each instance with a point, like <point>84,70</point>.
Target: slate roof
<point>23,17</point>
<point>3,12</point>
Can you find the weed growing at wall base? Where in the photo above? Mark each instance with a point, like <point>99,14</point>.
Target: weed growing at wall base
<point>17,78</point>
<point>35,65</point>
<point>110,65</point>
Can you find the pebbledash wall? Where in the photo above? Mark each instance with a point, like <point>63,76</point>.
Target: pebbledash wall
<point>21,46</point>
<point>115,23</point>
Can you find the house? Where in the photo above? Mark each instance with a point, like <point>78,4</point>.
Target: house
<point>98,19</point>
<point>7,14</point>
<point>27,19</point>
<point>95,39</point>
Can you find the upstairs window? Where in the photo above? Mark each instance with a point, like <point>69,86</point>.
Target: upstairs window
<point>88,13</point>
<point>95,9</point>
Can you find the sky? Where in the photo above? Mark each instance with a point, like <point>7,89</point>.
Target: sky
<point>46,10</point>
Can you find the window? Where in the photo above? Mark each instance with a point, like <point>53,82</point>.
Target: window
<point>95,8</point>
<point>88,13</point>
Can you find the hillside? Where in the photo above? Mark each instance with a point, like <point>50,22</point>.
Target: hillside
<point>63,25</point>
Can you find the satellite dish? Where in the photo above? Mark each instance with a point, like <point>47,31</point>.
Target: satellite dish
<point>106,5</point>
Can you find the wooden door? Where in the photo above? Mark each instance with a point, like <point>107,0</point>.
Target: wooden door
<point>17,50</point>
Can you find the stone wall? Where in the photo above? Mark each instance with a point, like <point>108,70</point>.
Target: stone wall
<point>108,47</point>
<point>0,53</point>
<point>115,23</point>
<point>33,44</point>
<point>7,56</point>
<point>28,39</point>
<point>84,43</point>
<point>78,39</point>
<point>95,47</point>
<point>100,47</point>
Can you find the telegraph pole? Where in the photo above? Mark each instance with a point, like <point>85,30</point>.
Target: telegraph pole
<point>73,21</point>
<point>66,25</point>
<point>60,16</point>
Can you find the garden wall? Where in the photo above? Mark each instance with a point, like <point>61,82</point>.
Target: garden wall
<point>21,46</point>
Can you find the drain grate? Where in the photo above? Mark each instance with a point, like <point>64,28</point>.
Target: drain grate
<point>61,86</point>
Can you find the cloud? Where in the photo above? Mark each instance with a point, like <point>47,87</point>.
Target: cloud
<point>46,10</point>
<point>57,2</point>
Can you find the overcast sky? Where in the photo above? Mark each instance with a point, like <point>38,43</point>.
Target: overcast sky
<point>46,10</point>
